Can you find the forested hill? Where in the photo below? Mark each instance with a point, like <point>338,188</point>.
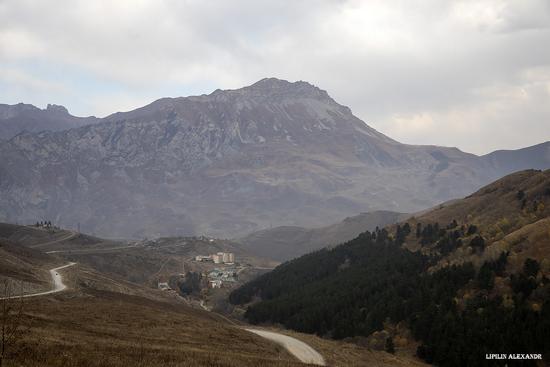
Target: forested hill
<point>464,287</point>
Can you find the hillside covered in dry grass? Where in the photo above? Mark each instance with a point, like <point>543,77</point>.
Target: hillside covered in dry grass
<point>512,215</point>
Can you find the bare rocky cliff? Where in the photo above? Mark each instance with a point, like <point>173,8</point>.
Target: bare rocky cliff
<point>15,119</point>
<point>229,163</point>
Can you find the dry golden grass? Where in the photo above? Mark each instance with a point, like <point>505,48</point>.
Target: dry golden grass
<point>29,235</point>
<point>496,209</point>
<point>102,328</point>
<point>26,268</point>
<point>345,354</point>
<point>506,221</point>
<point>530,241</point>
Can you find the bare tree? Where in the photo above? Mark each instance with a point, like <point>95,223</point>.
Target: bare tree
<point>11,317</point>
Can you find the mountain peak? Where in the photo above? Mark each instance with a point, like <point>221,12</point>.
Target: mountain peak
<point>57,109</point>
<point>274,86</point>
<point>20,117</point>
<point>275,83</point>
<point>270,83</point>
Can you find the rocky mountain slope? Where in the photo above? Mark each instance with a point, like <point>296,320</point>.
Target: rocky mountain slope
<point>287,242</point>
<point>230,163</point>
<point>14,119</point>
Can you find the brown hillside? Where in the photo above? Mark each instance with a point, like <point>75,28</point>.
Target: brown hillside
<point>24,267</point>
<point>511,215</point>
<point>30,235</point>
<point>496,208</point>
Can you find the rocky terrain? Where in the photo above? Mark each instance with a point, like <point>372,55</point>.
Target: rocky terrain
<point>15,119</point>
<point>232,162</point>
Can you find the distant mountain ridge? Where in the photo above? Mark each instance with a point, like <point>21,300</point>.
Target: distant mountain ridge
<point>287,242</point>
<point>232,162</point>
<point>15,119</point>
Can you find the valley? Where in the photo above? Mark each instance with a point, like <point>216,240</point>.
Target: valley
<point>288,242</point>
<point>93,311</point>
<point>336,183</point>
<point>485,257</point>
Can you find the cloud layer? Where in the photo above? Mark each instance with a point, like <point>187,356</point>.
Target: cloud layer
<point>472,74</point>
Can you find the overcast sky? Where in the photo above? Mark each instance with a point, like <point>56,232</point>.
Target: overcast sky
<point>470,74</point>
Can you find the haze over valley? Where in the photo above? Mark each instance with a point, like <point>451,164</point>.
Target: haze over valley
<point>239,184</point>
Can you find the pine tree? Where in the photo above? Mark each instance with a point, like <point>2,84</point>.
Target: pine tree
<point>390,348</point>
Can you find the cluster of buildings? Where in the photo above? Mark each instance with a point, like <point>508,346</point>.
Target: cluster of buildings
<point>218,258</point>
<point>217,277</point>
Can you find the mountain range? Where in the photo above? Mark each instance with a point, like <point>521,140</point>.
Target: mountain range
<point>15,119</point>
<point>226,164</point>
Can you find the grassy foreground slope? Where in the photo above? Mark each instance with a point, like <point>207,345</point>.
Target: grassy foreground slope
<point>104,328</point>
<point>105,320</point>
<point>102,320</point>
<point>465,279</point>
<point>28,266</point>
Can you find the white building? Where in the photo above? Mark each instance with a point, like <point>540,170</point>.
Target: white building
<point>228,257</point>
<point>217,258</point>
<point>202,258</point>
<point>215,283</point>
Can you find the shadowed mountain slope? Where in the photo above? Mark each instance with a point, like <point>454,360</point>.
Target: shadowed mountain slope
<point>284,243</point>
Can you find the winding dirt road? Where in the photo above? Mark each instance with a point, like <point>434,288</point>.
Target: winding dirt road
<point>58,284</point>
<point>297,348</point>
